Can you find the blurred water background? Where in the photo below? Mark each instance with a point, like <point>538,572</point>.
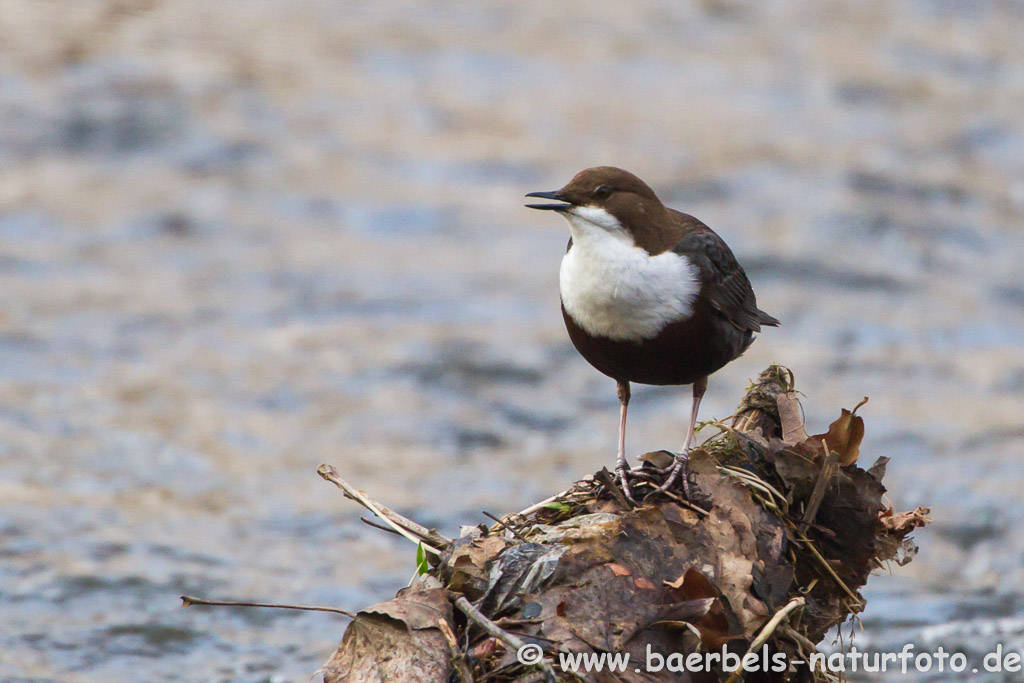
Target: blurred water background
<point>242,238</point>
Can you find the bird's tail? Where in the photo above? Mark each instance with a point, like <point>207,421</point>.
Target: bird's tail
<point>767,320</point>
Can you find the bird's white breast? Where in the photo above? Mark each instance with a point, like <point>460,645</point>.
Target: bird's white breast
<point>614,289</point>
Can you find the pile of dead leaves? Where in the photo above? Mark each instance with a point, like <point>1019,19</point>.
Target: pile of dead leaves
<point>780,524</point>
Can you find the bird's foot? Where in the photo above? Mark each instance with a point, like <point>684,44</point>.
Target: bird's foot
<point>679,467</point>
<point>623,472</point>
<point>644,474</point>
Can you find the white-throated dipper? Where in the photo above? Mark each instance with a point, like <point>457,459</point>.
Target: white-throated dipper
<point>649,294</point>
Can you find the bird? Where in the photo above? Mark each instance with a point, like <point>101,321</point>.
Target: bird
<point>649,295</point>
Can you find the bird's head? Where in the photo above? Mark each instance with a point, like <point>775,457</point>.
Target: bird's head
<point>608,200</point>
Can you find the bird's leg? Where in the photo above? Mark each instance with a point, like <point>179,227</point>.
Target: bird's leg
<point>699,387</point>
<point>621,467</point>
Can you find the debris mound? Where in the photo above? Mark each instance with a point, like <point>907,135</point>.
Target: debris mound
<point>779,535</point>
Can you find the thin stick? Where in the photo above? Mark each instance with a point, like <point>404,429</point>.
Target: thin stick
<point>799,638</point>
<point>504,525</point>
<point>188,601</point>
<point>685,503</point>
<point>406,527</point>
<point>828,567</point>
<point>767,631</point>
<point>458,657</point>
<point>511,641</point>
<point>370,522</point>
<point>828,470</point>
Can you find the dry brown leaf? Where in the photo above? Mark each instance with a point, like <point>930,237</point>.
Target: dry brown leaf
<point>678,516</point>
<point>735,583</point>
<point>484,649</point>
<point>470,561</point>
<point>659,459</point>
<point>903,523</point>
<point>713,626</point>
<point>395,640</point>
<point>843,436</point>
<point>692,585</point>
<point>641,582</point>
<point>618,569</point>
<point>791,418</point>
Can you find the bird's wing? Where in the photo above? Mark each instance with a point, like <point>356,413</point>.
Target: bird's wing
<point>726,285</point>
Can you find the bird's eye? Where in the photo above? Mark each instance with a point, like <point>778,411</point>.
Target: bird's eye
<point>603,192</point>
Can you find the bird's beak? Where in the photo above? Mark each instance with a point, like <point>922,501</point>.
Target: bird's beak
<point>549,207</point>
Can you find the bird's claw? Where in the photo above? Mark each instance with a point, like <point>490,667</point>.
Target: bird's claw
<point>622,471</point>
<point>651,475</point>
<point>679,466</point>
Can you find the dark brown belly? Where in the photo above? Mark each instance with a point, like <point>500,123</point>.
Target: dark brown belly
<point>682,353</point>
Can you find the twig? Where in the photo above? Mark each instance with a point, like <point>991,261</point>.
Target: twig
<point>810,546</point>
<point>767,631</point>
<point>511,641</point>
<point>512,621</point>
<point>685,503</point>
<point>189,601</point>
<point>406,527</point>
<point>458,657</point>
<point>504,525</point>
<point>769,628</point>
<point>799,638</point>
<point>828,470</point>
<point>370,522</point>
